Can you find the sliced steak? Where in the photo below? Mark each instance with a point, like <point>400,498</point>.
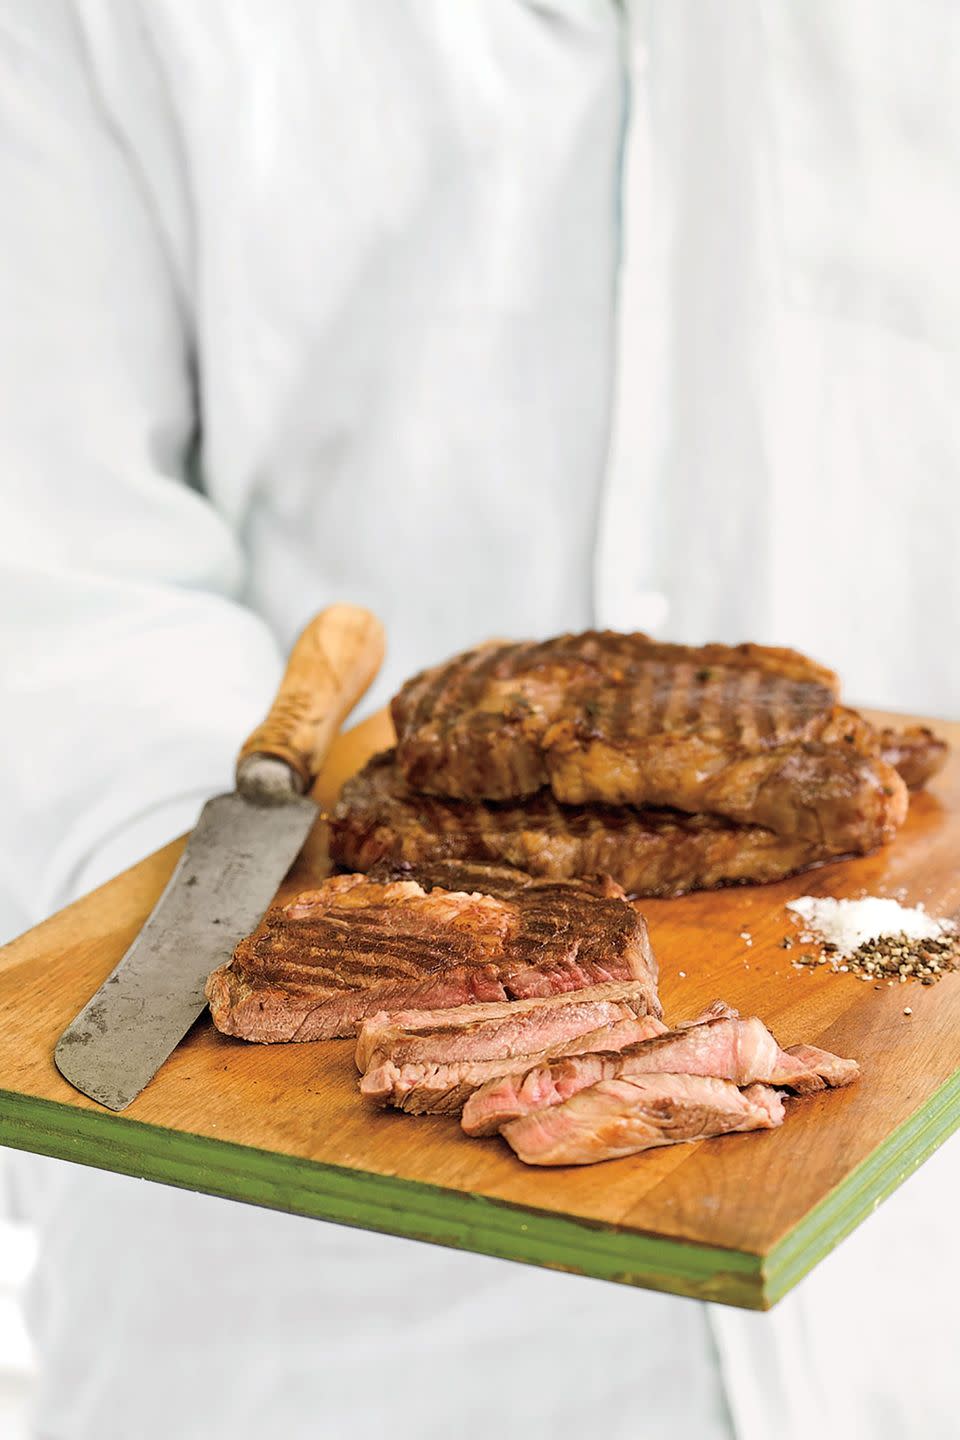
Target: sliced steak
<point>442,1087</point>
<point>649,852</point>
<point>728,1048</point>
<point>747,732</point>
<point>623,1116</point>
<point>500,1030</point>
<point>318,966</point>
<point>425,1087</point>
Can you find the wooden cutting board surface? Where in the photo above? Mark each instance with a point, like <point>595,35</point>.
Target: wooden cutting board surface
<point>738,1220</point>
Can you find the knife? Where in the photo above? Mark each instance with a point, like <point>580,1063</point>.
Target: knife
<point>235,859</point>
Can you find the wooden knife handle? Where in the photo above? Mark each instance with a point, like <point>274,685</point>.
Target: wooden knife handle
<point>330,667</point>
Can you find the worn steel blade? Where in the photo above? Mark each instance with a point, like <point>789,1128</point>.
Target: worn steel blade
<point>226,878</point>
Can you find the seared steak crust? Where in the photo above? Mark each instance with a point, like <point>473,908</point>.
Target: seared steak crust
<point>649,852</point>
<point>749,732</point>
<point>319,965</point>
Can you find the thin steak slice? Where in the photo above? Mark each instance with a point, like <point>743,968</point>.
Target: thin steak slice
<point>499,1030</point>
<point>649,852</point>
<point>832,1069</point>
<point>621,1117</point>
<point>442,1087</point>
<point>727,1048</point>
<point>748,732</point>
<point>316,967</point>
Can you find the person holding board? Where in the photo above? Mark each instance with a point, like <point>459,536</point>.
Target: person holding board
<point>496,318</point>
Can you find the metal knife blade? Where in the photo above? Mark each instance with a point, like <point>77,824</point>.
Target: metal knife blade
<point>227,876</point>
<point>236,857</point>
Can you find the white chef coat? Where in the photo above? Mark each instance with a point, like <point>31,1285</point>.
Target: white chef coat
<point>311,302</point>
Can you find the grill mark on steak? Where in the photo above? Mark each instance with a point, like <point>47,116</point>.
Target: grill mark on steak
<point>746,692</point>
<point>316,967</point>
<point>706,701</point>
<point>649,714</point>
<point>677,696</point>
<point>774,714</point>
<point>645,699</point>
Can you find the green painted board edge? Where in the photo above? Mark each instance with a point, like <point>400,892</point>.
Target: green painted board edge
<point>862,1191</point>
<point>384,1203</point>
<point>465,1221</point>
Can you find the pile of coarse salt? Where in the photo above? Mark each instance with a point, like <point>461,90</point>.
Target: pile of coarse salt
<point>876,938</point>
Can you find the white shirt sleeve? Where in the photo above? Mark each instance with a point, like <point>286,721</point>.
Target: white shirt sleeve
<point>130,672</point>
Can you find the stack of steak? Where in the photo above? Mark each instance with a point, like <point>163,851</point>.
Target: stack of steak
<point>669,767</point>
<point>575,1079</point>
<point>432,1061</point>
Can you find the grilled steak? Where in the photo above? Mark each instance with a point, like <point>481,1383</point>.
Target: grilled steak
<point>620,1117</point>
<point>742,1051</point>
<point>650,852</point>
<point>319,965</point>
<point>751,733</point>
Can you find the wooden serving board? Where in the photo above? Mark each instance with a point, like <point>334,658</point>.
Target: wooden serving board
<point>737,1220</point>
